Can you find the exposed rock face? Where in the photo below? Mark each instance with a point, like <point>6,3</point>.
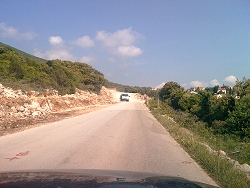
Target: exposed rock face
<point>18,108</point>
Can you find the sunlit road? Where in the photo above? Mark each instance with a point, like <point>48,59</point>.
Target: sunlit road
<point>123,137</point>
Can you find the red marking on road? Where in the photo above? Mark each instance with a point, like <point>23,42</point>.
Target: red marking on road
<point>22,153</point>
<point>19,154</point>
<point>12,158</point>
<point>186,162</point>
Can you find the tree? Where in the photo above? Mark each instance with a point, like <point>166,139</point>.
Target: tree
<point>4,67</point>
<point>188,100</point>
<point>238,122</point>
<point>171,93</point>
<point>204,112</point>
<point>215,89</point>
<point>16,67</point>
<point>242,87</point>
<point>220,108</point>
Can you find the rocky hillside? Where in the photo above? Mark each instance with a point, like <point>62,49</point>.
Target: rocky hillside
<point>21,110</point>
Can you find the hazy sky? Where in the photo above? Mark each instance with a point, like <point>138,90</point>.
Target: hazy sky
<point>137,42</point>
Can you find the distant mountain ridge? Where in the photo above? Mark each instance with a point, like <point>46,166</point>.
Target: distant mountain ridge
<point>24,54</point>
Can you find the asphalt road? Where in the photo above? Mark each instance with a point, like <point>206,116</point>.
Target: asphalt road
<point>124,137</point>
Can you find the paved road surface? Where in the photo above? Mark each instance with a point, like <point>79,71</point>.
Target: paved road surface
<point>124,136</point>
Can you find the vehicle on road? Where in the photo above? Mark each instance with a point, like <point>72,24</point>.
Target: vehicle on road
<point>124,97</point>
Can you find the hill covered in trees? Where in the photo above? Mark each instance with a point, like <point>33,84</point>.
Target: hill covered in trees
<point>64,76</point>
<point>20,70</point>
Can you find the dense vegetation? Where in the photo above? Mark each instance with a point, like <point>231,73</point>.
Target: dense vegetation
<point>222,122</point>
<point>63,76</point>
<point>20,70</point>
<point>225,115</point>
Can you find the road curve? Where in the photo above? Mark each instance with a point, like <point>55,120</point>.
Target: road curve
<point>124,137</point>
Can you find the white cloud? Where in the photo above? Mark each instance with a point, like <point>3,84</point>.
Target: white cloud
<point>231,79</point>
<point>62,54</point>
<point>120,37</point>
<point>125,65</point>
<point>129,51</point>
<point>196,84</point>
<point>185,85</point>
<point>120,42</point>
<point>214,82</point>
<point>111,59</point>
<point>12,33</point>
<point>110,75</point>
<point>58,50</point>
<point>28,35</point>
<point>84,42</point>
<point>8,31</point>
<point>88,59</point>
<point>160,85</point>
<point>54,40</point>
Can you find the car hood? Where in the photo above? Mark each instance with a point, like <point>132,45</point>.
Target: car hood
<point>92,178</point>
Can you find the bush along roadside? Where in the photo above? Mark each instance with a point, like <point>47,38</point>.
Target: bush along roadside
<point>195,141</point>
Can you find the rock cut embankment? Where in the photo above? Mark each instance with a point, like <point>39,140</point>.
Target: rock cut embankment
<point>21,110</point>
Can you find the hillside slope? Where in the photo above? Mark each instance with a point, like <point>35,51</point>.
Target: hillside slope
<point>20,70</point>
<point>24,54</point>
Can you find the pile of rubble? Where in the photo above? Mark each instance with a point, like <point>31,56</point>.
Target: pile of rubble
<point>20,109</point>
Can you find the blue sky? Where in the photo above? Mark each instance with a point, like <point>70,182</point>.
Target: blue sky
<point>137,42</point>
